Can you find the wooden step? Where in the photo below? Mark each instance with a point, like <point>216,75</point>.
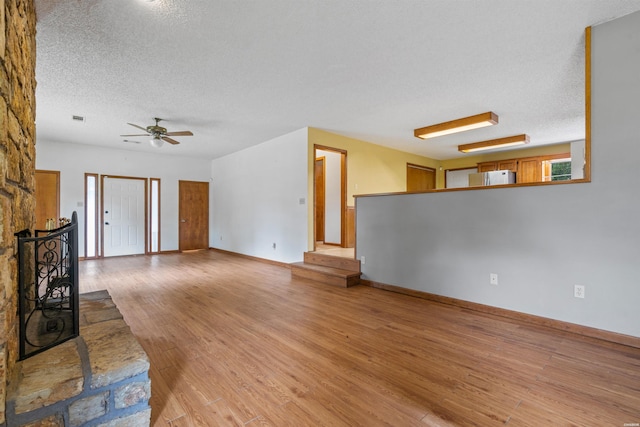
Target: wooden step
<point>332,261</point>
<point>328,275</point>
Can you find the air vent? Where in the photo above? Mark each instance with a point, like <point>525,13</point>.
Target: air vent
<point>78,118</point>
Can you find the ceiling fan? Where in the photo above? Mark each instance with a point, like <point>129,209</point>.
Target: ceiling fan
<point>159,133</point>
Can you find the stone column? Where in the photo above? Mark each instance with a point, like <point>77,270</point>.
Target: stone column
<point>17,163</point>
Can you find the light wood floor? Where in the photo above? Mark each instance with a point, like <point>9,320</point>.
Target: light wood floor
<point>238,342</point>
<point>335,250</point>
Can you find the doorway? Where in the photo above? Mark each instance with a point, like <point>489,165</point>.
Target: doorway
<point>330,196</point>
<point>124,216</point>
<point>193,213</point>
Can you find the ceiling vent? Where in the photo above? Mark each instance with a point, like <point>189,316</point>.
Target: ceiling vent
<point>78,118</point>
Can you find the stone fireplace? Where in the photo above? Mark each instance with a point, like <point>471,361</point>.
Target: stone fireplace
<point>99,377</point>
<point>17,163</point>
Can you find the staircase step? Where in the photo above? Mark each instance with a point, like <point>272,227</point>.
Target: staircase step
<point>332,261</point>
<point>328,275</point>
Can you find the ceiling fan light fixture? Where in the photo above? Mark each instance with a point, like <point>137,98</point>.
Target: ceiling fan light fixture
<point>159,134</point>
<point>492,144</point>
<point>459,125</point>
<point>156,141</point>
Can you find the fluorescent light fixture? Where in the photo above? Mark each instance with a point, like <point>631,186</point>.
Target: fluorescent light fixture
<point>492,144</point>
<point>460,125</point>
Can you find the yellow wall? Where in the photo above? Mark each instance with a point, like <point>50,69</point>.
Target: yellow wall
<point>371,168</point>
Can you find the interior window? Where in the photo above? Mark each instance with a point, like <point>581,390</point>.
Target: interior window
<point>91,215</point>
<point>155,216</point>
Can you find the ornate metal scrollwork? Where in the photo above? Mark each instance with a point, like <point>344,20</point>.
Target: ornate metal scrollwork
<point>48,287</point>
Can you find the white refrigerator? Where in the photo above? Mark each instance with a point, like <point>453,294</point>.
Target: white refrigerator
<point>492,178</point>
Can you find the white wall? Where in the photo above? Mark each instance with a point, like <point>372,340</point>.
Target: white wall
<point>333,192</point>
<point>74,160</point>
<point>577,159</point>
<point>255,199</point>
<point>542,240</point>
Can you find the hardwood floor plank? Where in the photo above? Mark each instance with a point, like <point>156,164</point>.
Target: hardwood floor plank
<point>291,415</point>
<point>165,406</point>
<point>233,341</point>
<point>218,413</point>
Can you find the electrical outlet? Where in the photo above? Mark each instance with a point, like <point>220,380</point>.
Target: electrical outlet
<point>493,278</point>
<point>362,260</point>
<point>578,291</point>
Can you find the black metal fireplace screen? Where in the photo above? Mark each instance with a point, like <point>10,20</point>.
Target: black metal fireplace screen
<point>47,287</point>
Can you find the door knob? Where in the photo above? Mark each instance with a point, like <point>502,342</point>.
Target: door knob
<point>106,223</point>
<point>183,220</point>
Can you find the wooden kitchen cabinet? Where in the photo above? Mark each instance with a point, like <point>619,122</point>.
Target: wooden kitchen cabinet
<point>529,170</point>
<point>510,164</point>
<point>487,166</point>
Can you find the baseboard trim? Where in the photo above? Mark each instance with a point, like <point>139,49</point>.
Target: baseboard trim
<point>253,258</point>
<point>573,328</point>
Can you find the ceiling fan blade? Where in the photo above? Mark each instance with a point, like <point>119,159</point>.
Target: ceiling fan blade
<point>140,134</point>
<point>136,126</point>
<point>180,133</point>
<point>169,140</point>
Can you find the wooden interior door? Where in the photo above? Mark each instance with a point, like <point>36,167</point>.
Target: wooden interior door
<point>193,212</point>
<point>420,178</point>
<point>319,198</point>
<point>47,198</point>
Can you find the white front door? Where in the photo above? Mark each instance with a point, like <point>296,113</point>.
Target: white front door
<point>124,216</point>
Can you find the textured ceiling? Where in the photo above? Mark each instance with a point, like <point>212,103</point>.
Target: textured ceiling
<point>240,72</point>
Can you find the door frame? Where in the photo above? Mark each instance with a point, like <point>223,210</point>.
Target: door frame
<point>343,191</point>
<point>146,210</point>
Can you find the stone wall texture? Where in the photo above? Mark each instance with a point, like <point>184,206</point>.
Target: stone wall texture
<point>98,379</point>
<point>17,164</point>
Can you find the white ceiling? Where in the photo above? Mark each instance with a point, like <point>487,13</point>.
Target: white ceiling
<point>241,72</point>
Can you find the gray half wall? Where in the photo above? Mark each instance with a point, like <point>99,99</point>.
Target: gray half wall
<point>542,240</point>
